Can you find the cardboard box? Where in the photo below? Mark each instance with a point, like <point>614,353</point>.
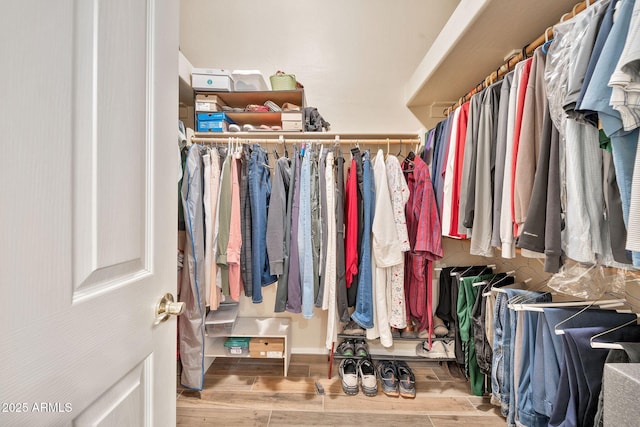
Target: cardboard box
<point>211,79</point>
<point>292,125</point>
<point>291,116</point>
<point>266,347</point>
<point>209,102</point>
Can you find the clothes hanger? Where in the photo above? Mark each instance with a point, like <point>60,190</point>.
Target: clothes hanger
<point>611,345</point>
<point>490,281</point>
<point>560,331</point>
<point>491,266</point>
<point>400,150</point>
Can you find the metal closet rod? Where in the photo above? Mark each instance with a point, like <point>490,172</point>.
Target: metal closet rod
<point>524,54</point>
<point>298,140</point>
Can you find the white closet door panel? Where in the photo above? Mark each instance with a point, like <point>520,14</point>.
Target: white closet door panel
<point>88,196</point>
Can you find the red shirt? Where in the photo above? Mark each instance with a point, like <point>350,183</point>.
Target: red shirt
<point>457,171</point>
<point>522,90</point>
<point>351,225</point>
<point>423,222</point>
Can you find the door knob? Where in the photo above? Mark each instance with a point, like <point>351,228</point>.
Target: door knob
<point>168,307</point>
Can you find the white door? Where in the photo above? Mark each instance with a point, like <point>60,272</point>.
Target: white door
<point>88,192</point>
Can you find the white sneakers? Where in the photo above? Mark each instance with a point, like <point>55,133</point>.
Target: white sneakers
<point>439,349</point>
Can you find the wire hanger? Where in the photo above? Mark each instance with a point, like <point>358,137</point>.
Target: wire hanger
<point>560,331</point>
<point>400,150</point>
<point>491,266</point>
<point>610,345</point>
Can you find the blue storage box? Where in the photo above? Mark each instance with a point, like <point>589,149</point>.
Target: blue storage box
<point>213,126</point>
<point>215,117</point>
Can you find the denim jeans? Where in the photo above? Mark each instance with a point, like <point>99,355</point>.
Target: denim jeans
<point>531,297</point>
<point>260,192</point>
<point>527,414</point>
<point>363,314</point>
<point>501,341</point>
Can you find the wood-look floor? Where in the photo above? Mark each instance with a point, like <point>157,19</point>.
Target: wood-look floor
<point>252,392</point>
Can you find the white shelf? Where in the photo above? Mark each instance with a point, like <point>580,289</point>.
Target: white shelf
<point>258,327</point>
<point>472,44</point>
<point>184,80</point>
<point>226,313</point>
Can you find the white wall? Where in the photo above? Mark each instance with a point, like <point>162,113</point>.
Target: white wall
<point>353,57</point>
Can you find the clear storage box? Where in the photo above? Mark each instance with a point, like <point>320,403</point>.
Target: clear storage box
<point>237,346</point>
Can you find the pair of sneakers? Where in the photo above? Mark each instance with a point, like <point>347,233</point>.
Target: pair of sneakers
<point>358,372</point>
<point>397,378</point>
<point>351,347</point>
<point>444,349</point>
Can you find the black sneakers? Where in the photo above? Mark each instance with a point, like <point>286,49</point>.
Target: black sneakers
<point>397,378</point>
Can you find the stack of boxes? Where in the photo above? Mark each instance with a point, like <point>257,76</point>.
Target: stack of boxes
<point>209,115</point>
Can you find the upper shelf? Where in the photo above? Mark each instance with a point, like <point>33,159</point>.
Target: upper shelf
<point>472,44</point>
<point>242,99</point>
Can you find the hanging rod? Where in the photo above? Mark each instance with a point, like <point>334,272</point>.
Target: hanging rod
<point>526,52</point>
<point>300,137</point>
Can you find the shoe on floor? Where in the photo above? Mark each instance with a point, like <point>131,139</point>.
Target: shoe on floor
<point>368,379</point>
<point>349,374</point>
<point>361,348</point>
<point>395,333</point>
<point>406,380</point>
<point>437,350</point>
<point>346,348</point>
<point>352,328</point>
<point>388,378</point>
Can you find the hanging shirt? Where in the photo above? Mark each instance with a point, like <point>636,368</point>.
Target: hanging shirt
<point>351,225</point>
<point>294,288</point>
<point>461,135</point>
<point>224,223</point>
<point>304,238</point>
<point>501,148</point>
<point>276,219</point>
<point>283,280</point>
<point>506,223</point>
<point>363,314</point>
<point>467,181</point>
<point>330,301</point>
<point>485,168</point>
<point>522,90</point>
<point>386,249</point>
<point>447,188</point>
<point>235,236</point>
<point>208,224</point>
<point>399,192</point>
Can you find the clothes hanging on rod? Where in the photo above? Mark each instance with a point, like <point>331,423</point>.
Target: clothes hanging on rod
<point>252,234</point>
<point>532,173</point>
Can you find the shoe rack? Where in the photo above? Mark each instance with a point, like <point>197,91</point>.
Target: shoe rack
<point>377,352</point>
